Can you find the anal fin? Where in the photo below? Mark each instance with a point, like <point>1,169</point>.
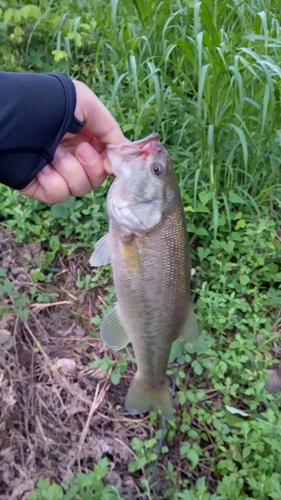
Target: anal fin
<point>190,331</point>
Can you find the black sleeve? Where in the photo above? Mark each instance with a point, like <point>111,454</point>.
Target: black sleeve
<point>36,111</point>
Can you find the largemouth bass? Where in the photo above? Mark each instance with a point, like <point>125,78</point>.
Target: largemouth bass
<point>147,245</point>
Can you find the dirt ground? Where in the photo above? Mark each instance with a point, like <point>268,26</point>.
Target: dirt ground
<point>57,416</point>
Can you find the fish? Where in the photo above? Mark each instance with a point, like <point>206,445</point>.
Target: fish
<point>147,246</point>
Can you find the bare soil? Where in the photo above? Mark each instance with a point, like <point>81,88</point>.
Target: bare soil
<point>57,416</point>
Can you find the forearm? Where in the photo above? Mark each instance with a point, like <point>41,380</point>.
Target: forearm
<point>36,111</point>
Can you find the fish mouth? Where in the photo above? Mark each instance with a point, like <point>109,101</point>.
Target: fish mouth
<point>150,144</point>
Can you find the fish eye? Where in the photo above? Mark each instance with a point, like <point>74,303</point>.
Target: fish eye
<point>157,170</point>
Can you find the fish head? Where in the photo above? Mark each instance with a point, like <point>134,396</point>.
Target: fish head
<point>145,183</point>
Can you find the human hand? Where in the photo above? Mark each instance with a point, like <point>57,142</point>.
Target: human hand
<point>80,162</point>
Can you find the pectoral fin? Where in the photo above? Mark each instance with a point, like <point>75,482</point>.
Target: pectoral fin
<point>100,255</point>
<point>190,331</point>
<point>113,332</point>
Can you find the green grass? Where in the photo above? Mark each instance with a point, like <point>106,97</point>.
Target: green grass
<point>206,76</point>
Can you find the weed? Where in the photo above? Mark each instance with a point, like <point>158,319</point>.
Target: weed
<point>81,487</point>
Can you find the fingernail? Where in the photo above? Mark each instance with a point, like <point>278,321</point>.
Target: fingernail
<point>46,170</point>
<point>88,155</point>
<point>60,153</point>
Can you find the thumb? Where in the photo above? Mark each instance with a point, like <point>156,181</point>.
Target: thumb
<point>97,119</point>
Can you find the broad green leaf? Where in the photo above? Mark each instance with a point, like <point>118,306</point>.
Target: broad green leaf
<point>246,452</point>
<point>198,347</point>
<point>54,243</point>
<point>193,456</point>
<point>37,275</point>
<point>273,268</point>
<point>240,224</point>
<point>235,198</point>
<point>59,55</point>
<point>201,231</point>
<point>115,376</point>
<point>205,197</point>
<point>244,279</point>
<point>228,246</point>
<point>59,211</point>
<point>69,202</point>
<point>30,11</point>
<point>22,314</point>
<point>127,127</point>
<point>185,447</point>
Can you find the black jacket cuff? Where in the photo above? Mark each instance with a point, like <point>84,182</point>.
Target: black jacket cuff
<point>36,111</point>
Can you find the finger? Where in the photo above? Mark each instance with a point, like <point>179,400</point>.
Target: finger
<point>97,118</point>
<point>68,166</point>
<point>71,142</point>
<point>92,162</point>
<point>48,186</point>
<point>106,163</point>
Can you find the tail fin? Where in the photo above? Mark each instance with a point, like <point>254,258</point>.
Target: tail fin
<point>143,397</point>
